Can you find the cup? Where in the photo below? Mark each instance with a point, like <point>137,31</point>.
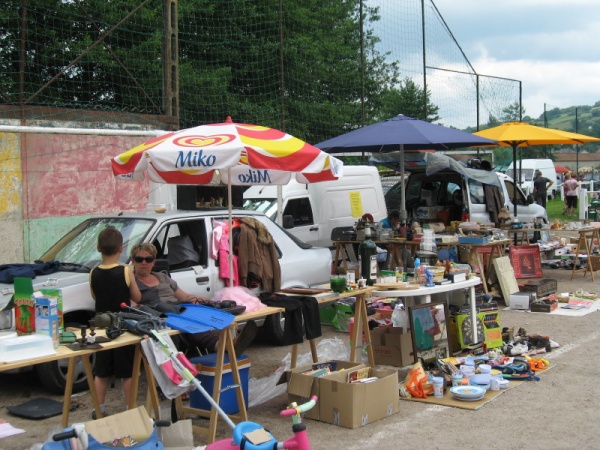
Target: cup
<point>438,386</point>
<point>457,378</point>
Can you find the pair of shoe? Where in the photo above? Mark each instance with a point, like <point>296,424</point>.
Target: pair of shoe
<point>104,414</point>
<point>245,337</point>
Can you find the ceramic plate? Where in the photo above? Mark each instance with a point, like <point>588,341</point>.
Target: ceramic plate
<point>467,391</point>
<point>469,399</point>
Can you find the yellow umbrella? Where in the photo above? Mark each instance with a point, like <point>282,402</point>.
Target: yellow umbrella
<point>521,134</point>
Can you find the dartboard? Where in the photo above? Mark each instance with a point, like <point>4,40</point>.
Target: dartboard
<point>467,331</point>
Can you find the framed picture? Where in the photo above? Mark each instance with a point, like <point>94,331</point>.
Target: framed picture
<point>525,260</point>
<point>429,327</point>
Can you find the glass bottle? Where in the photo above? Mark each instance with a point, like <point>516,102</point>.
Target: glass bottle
<point>368,258</point>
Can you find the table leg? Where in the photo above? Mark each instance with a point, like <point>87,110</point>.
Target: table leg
<point>313,350</point>
<point>482,270</point>
<point>237,380</point>
<point>226,342</point>
<point>135,376</point>
<point>294,356</point>
<point>69,391</point>
<point>336,260</point>
<point>576,256</point>
<point>361,326</point>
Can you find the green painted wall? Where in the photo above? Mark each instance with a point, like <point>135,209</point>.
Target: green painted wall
<point>45,232</point>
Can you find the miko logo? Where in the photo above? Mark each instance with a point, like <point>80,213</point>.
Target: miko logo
<point>194,159</point>
<point>255,177</point>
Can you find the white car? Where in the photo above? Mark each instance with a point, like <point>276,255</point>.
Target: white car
<point>301,266</point>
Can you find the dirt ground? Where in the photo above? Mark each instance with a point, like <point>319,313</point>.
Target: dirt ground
<point>557,412</point>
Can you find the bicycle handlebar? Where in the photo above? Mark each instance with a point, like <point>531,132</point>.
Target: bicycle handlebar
<point>292,411</point>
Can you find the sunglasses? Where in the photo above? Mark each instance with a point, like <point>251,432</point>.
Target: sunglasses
<point>139,259</point>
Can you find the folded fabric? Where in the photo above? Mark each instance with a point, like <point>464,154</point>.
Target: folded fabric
<point>8,272</point>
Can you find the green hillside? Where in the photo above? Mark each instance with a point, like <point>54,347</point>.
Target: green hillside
<point>583,119</point>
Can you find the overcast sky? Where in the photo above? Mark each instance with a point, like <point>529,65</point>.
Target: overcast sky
<point>552,46</point>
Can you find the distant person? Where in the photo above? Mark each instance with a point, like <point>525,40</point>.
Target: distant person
<point>456,210</point>
<point>541,185</point>
<point>111,284</point>
<point>571,186</point>
<point>392,220</point>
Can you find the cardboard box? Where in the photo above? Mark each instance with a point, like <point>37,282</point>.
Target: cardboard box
<point>55,293</point>
<point>356,405</point>
<point>46,317</point>
<point>301,386</point>
<point>521,300</point>
<point>392,346</point>
<point>134,422</point>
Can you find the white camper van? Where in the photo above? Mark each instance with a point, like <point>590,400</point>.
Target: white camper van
<point>528,169</point>
<point>312,211</point>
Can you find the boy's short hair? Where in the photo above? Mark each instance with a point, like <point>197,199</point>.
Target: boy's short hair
<point>110,241</point>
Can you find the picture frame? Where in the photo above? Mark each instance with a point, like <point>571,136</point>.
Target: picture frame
<point>526,261</point>
<point>429,329</point>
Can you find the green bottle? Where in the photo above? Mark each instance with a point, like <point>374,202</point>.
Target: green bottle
<point>367,251</point>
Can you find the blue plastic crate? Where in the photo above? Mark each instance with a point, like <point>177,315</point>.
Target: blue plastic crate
<point>206,374</point>
<point>474,240</point>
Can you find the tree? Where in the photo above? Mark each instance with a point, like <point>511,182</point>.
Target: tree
<point>512,113</point>
<point>409,99</point>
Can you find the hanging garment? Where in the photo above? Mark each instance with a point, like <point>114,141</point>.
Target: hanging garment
<point>258,259</point>
<point>299,310</point>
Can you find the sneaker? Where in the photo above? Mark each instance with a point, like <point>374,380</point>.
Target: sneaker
<point>245,337</point>
<point>104,414</point>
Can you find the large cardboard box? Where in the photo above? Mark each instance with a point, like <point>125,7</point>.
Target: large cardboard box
<point>353,405</point>
<point>392,346</point>
<point>134,422</point>
<point>301,384</point>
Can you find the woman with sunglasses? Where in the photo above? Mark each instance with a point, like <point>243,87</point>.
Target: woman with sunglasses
<point>152,283</point>
<point>158,290</point>
<point>161,292</point>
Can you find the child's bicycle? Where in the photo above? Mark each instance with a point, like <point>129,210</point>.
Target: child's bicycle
<point>265,440</point>
<point>240,431</point>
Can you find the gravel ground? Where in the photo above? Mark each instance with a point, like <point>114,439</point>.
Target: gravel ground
<point>555,413</point>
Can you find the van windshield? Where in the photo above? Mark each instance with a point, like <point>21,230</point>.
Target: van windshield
<point>268,206</point>
<point>526,174</point>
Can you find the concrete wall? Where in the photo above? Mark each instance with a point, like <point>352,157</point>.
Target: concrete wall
<point>50,182</point>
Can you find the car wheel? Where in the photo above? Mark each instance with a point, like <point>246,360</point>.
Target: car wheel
<point>272,329</point>
<point>53,375</point>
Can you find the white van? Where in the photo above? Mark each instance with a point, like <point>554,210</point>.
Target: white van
<point>442,189</point>
<point>312,211</point>
<point>528,169</point>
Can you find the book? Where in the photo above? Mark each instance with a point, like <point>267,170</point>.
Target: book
<point>456,277</point>
<point>356,376</point>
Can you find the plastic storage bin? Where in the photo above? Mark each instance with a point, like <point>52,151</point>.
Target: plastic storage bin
<point>18,348</point>
<point>206,374</point>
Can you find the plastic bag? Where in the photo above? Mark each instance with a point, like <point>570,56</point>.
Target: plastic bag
<point>417,382</point>
<point>241,296</point>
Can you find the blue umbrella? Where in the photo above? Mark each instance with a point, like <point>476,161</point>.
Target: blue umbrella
<point>402,133</point>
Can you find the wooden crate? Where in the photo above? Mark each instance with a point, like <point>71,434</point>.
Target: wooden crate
<point>542,288</point>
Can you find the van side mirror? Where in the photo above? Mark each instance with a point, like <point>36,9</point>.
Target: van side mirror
<point>288,221</point>
<point>530,199</point>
